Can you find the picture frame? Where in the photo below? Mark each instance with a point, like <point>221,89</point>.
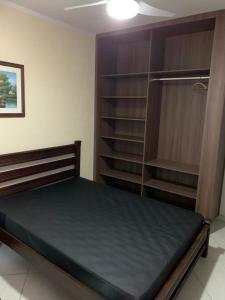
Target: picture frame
<point>12,90</point>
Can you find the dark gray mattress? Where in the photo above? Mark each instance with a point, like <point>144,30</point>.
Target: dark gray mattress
<point>121,245</point>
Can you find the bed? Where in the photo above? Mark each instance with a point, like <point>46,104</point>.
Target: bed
<point>98,241</point>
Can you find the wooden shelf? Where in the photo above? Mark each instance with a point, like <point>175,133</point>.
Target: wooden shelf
<point>174,166</point>
<point>124,97</point>
<point>180,72</point>
<point>124,156</point>
<point>200,71</point>
<point>127,138</point>
<point>124,119</point>
<point>134,178</point>
<point>172,188</point>
<point>126,75</point>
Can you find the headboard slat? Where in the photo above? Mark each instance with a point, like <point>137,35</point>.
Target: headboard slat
<point>22,157</point>
<point>32,170</point>
<point>35,183</point>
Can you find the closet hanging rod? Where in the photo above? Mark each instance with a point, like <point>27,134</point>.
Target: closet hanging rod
<point>180,78</point>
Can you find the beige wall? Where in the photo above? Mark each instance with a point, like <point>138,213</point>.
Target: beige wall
<point>59,78</point>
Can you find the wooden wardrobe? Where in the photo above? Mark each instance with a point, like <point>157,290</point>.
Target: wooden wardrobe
<point>160,94</point>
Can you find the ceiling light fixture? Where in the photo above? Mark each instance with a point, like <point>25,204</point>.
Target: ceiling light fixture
<point>122,10</point>
<point>125,9</point>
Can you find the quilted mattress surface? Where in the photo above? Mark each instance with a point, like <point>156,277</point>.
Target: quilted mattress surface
<point>117,243</point>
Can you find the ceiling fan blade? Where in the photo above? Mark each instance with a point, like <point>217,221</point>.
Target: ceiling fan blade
<point>86,5</point>
<point>148,10</point>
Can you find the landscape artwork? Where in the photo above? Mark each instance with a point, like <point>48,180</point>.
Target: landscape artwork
<point>11,90</point>
<point>8,90</point>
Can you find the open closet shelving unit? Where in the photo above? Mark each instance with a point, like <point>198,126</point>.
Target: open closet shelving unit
<point>156,125</point>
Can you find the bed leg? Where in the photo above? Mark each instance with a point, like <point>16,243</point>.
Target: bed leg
<point>205,252</point>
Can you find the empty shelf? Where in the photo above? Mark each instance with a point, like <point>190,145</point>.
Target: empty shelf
<point>180,72</point>
<point>124,118</point>
<point>124,156</point>
<point>174,166</point>
<point>124,97</point>
<point>172,188</point>
<point>128,138</point>
<point>126,75</point>
<point>121,175</point>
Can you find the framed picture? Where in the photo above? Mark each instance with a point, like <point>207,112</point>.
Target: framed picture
<point>12,92</point>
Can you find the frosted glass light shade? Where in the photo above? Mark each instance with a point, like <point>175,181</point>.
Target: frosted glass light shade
<point>122,9</point>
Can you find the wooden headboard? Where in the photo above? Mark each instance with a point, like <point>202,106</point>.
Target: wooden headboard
<point>28,170</point>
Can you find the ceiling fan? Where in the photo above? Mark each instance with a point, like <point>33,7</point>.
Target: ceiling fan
<point>126,9</point>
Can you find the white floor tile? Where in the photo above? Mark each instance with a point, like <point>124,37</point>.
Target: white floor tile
<point>32,270</point>
<point>11,263</point>
<point>211,271</point>
<point>218,232</point>
<point>212,276</point>
<point>11,286</point>
<point>193,290</point>
<point>217,225</point>
<point>216,253</point>
<point>39,287</point>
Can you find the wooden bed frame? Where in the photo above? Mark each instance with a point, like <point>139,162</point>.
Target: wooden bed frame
<point>31,169</point>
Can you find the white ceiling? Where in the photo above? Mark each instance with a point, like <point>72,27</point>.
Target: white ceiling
<point>96,20</point>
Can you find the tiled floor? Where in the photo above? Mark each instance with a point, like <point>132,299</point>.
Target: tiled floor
<point>20,281</point>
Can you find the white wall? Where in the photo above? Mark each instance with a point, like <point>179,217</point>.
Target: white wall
<point>59,78</point>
